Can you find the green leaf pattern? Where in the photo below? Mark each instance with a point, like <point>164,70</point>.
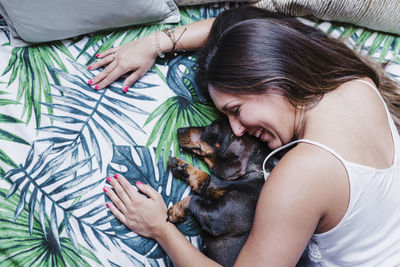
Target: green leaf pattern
<point>60,139</point>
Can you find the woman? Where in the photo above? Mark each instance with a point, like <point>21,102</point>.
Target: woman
<point>337,192</point>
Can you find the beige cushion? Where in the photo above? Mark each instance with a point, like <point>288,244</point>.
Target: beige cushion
<point>381,15</point>
<point>48,20</point>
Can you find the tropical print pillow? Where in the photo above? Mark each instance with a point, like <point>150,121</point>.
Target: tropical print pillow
<point>60,139</point>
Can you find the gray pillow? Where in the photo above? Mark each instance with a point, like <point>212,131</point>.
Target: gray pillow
<point>47,20</point>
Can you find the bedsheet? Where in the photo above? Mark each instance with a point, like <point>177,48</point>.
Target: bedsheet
<point>60,139</point>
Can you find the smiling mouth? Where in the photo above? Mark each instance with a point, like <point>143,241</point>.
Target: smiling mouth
<point>258,133</point>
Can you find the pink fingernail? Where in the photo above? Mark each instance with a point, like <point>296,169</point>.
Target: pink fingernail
<point>108,205</point>
<point>109,179</point>
<point>96,87</point>
<point>105,189</point>
<point>90,82</point>
<point>97,55</point>
<point>139,183</point>
<point>126,88</point>
<point>89,67</point>
<point>116,176</point>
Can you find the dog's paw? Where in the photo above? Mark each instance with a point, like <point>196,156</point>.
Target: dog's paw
<point>180,171</point>
<point>176,214</point>
<point>172,162</point>
<point>178,168</point>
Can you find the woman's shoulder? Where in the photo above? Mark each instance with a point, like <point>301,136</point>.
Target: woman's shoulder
<point>352,120</point>
<point>359,95</point>
<point>309,175</point>
<point>309,162</point>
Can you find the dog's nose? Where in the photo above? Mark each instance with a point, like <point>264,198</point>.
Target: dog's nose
<point>181,131</point>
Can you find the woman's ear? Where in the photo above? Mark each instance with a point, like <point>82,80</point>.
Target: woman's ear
<point>231,163</point>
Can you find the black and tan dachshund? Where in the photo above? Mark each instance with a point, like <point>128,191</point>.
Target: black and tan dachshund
<point>224,202</point>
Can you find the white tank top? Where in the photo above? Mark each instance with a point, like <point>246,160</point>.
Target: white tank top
<point>369,232</point>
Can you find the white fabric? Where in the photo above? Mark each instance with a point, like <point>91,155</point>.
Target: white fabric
<point>369,233</point>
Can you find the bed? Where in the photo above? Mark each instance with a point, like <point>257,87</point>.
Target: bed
<point>60,139</point>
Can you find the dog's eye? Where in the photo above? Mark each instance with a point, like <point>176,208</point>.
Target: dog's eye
<point>212,138</point>
<point>212,133</point>
<point>214,129</point>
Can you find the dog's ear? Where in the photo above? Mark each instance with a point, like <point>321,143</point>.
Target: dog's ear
<point>231,162</point>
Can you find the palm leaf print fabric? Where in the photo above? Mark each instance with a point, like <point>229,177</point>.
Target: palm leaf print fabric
<point>60,139</point>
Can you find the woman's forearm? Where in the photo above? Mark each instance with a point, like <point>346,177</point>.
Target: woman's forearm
<point>191,36</point>
<point>139,55</point>
<point>180,250</point>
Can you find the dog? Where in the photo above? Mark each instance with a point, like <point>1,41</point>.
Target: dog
<point>224,202</point>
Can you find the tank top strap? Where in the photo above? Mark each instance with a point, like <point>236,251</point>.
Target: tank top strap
<point>393,128</point>
<point>395,136</point>
<point>391,122</point>
<point>266,173</point>
<point>372,86</point>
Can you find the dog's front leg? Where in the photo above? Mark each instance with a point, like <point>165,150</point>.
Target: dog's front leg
<point>177,212</point>
<point>195,177</point>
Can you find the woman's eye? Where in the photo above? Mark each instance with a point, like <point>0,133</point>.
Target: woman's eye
<point>236,111</point>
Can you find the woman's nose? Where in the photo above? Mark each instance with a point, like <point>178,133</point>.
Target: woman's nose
<point>237,128</point>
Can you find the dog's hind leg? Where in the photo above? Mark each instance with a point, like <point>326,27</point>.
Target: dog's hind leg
<point>211,216</point>
<point>195,177</point>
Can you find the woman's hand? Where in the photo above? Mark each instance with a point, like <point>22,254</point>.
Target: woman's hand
<point>139,55</point>
<point>136,56</point>
<point>147,216</point>
<point>144,215</point>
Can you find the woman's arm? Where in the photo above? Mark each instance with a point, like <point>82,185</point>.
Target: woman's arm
<point>147,217</point>
<point>139,55</point>
<point>294,200</point>
<point>180,250</point>
<point>300,197</point>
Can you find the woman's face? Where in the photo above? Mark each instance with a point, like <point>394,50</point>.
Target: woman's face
<point>269,116</point>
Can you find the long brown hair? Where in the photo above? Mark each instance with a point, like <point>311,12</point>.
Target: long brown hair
<point>258,50</point>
